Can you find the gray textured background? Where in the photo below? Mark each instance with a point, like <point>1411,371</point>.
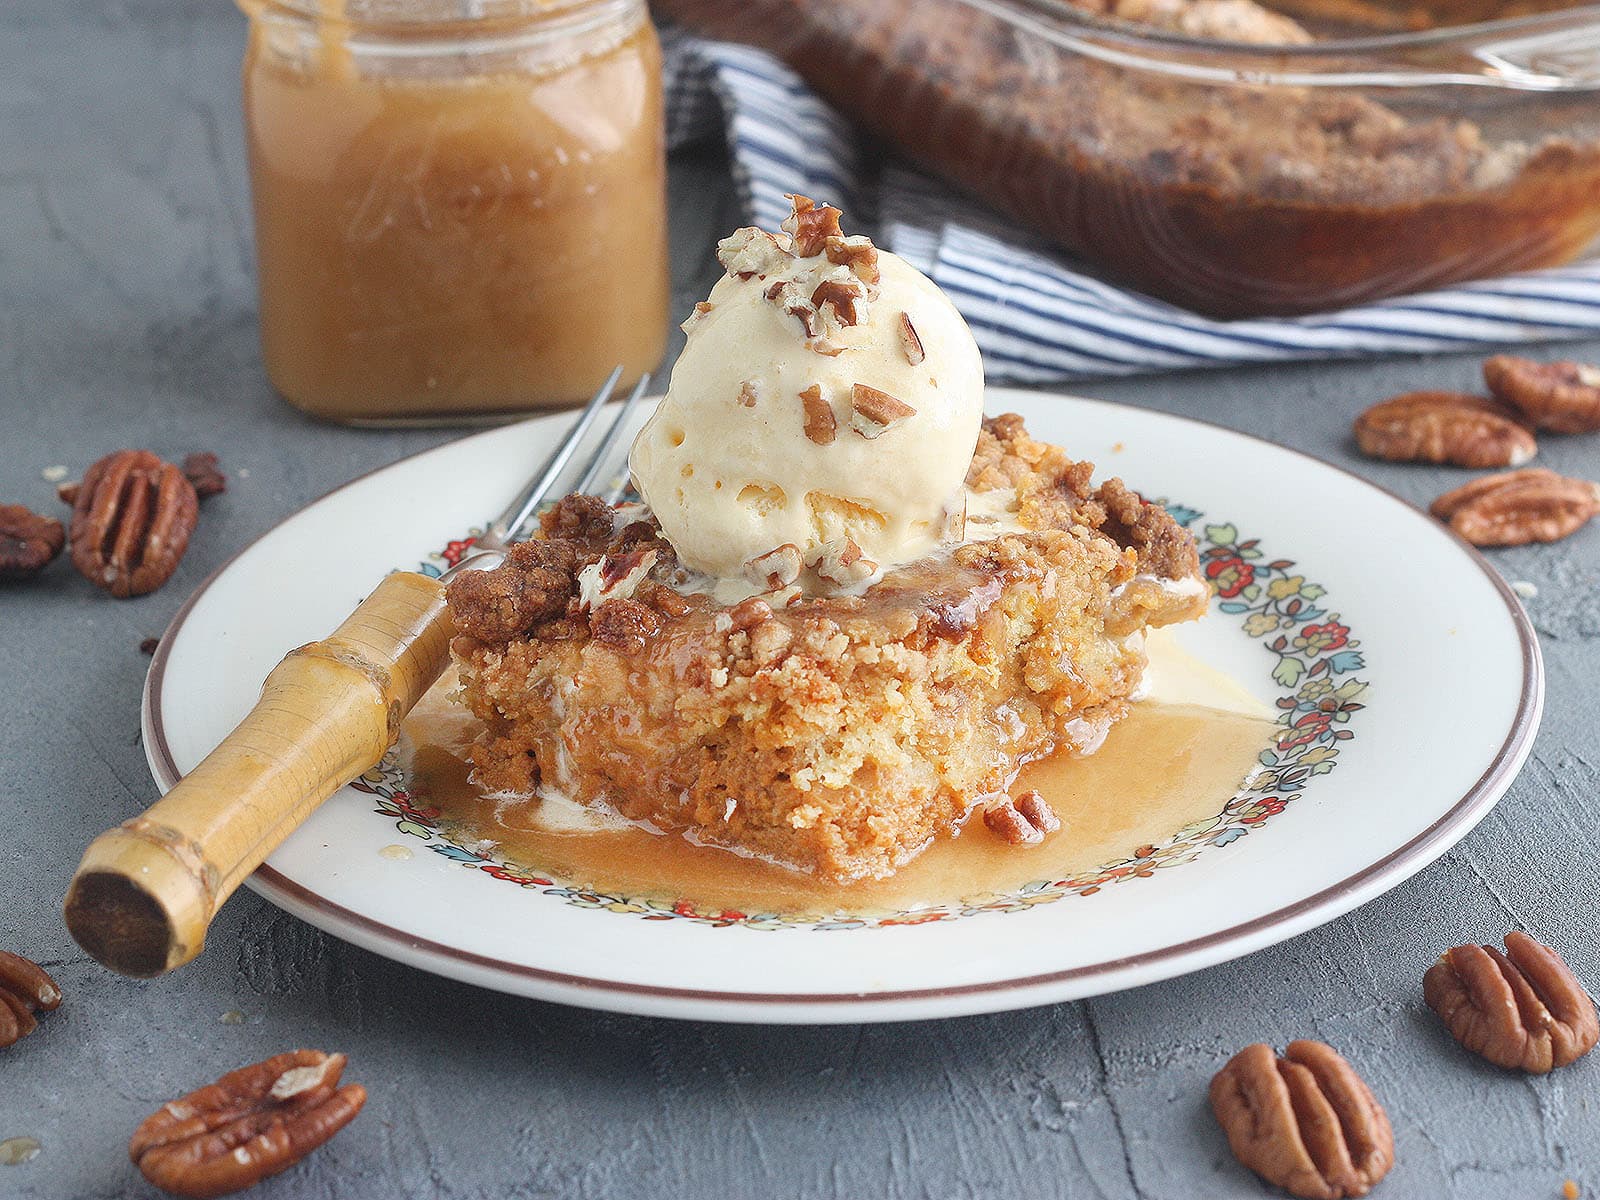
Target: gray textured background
<point>127,318</point>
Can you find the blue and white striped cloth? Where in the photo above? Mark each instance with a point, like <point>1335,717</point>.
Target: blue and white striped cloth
<point>1037,316</point>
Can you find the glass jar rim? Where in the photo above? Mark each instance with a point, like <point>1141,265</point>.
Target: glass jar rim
<point>404,13</point>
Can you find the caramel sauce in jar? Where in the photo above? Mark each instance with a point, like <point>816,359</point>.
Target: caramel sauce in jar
<point>459,204</point>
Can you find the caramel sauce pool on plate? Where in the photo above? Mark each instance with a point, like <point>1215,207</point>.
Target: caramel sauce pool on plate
<point>1176,758</point>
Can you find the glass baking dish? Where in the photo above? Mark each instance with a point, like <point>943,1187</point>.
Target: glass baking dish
<point>1230,177</point>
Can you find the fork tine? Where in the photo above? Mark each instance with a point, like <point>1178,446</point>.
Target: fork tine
<point>614,494</point>
<point>602,452</point>
<point>523,507</point>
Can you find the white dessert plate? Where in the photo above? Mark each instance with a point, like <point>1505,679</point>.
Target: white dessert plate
<point>1405,672</point>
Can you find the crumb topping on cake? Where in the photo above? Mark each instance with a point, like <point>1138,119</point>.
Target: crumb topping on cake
<point>1054,490</point>
<point>541,582</point>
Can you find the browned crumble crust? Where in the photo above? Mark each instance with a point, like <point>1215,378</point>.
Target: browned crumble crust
<point>839,734</point>
<point>1053,489</point>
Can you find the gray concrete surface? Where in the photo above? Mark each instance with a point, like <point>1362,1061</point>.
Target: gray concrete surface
<point>127,317</point>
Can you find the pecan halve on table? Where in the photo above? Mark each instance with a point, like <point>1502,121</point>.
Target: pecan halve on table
<point>1563,397</point>
<point>1305,1121</point>
<point>1514,508</point>
<point>1522,1009</point>
<point>131,520</point>
<point>250,1124</point>
<point>1445,427</point>
<point>25,989</point>
<point>28,542</point>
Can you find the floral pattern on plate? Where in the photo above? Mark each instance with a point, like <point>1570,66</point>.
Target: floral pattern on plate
<point>1313,661</point>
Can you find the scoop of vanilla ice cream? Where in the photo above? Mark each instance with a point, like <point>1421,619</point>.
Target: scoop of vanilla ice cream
<point>793,443</point>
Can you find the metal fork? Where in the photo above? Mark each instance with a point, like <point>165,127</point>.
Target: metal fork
<point>511,525</point>
<point>146,892</point>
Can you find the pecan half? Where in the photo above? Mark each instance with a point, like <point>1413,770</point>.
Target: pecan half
<point>811,225</point>
<point>28,542</point>
<point>821,425</point>
<point>1514,508</point>
<point>749,252</point>
<point>205,474</point>
<point>874,412</point>
<point>843,297</point>
<point>250,1124</point>
<point>616,576</point>
<point>1305,1121</point>
<point>776,568</point>
<point>1037,811</point>
<point>1524,1009</point>
<point>841,562</point>
<point>1563,397</point>
<point>131,522</point>
<point>749,613</point>
<point>25,989</point>
<point>1023,821</point>
<point>860,255</point>
<point>910,342</point>
<point>787,295</point>
<point>1445,427</point>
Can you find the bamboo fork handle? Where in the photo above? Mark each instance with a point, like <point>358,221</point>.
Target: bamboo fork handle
<point>146,892</point>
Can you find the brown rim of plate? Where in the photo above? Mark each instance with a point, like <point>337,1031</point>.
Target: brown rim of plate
<point>1462,815</point>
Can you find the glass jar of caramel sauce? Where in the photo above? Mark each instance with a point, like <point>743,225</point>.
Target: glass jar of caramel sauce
<point>459,204</point>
